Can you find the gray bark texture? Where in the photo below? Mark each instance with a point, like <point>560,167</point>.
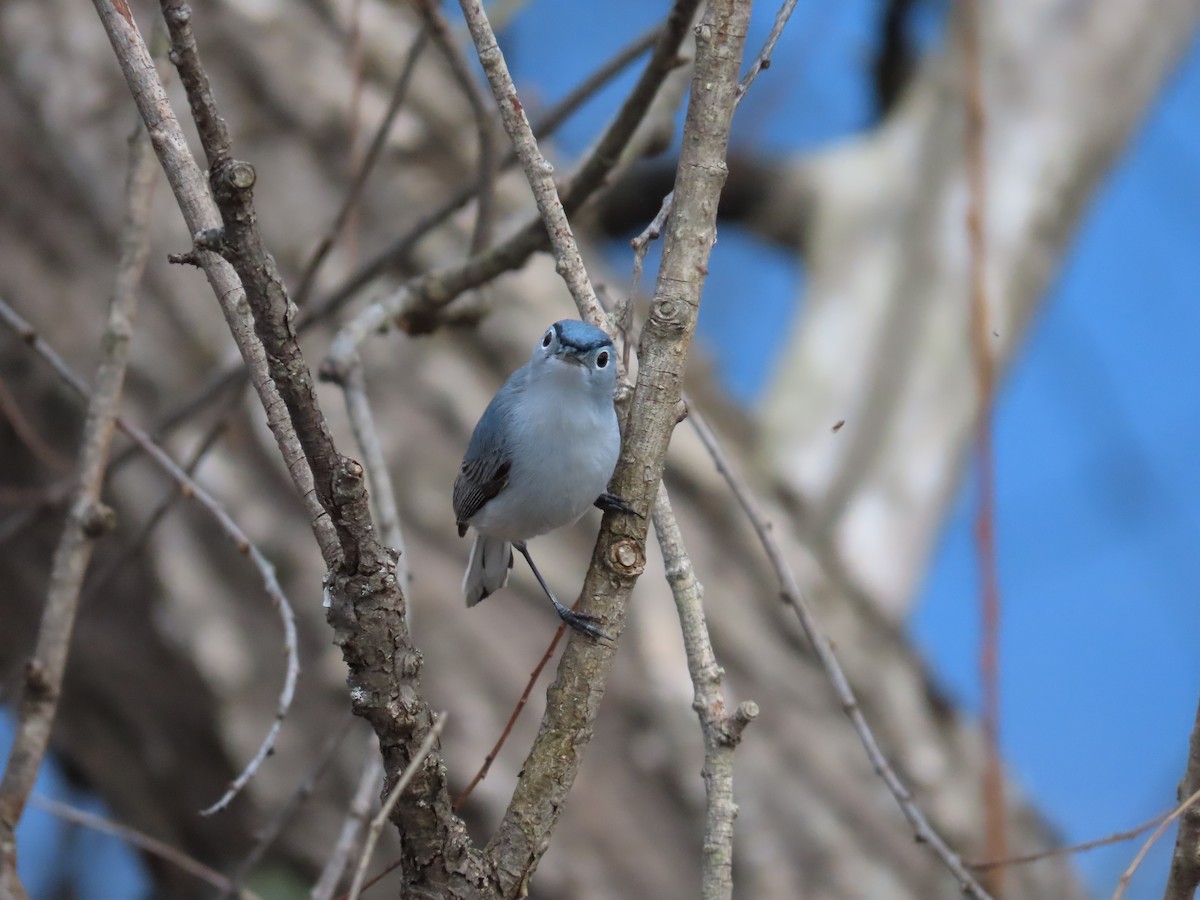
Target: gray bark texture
<point>176,662</point>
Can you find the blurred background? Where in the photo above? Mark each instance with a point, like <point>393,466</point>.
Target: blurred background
<point>833,357</point>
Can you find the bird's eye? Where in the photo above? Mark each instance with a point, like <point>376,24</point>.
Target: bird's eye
<point>601,359</point>
<point>548,338</point>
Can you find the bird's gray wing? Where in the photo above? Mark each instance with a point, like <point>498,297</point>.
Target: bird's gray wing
<point>478,481</point>
<point>485,467</point>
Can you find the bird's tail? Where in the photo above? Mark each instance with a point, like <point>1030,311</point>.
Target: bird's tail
<point>487,569</point>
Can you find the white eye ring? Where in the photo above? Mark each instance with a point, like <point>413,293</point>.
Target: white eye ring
<point>548,338</point>
<point>601,359</point>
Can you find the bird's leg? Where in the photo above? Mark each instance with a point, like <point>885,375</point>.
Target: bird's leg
<point>612,503</point>
<point>579,621</point>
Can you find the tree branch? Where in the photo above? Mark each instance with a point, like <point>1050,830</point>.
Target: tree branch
<point>722,732</point>
<point>88,518</point>
<point>572,702</point>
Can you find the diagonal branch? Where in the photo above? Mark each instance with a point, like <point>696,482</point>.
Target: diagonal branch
<point>790,593</point>
<point>88,518</point>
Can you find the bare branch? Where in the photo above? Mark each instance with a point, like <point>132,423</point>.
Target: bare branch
<point>512,719</point>
<point>791,594</point>
<point>572,702</point>
<point>367,606</point>
<point>722,732</point>
<point>87,519</point>
<point>191,488</point>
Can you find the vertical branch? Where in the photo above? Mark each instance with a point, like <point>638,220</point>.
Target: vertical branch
<point>722,732</point>
<point>572,702</point>
<point>87,519</point>
<point>1184,876</point>
<point>995,836</point>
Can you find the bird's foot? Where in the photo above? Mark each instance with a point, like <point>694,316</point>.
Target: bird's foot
<point>583,622</point>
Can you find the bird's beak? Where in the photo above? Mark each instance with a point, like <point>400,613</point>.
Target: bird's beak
<point>568,356</point>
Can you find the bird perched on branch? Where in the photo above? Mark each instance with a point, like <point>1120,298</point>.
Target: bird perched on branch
<point>541,454</point>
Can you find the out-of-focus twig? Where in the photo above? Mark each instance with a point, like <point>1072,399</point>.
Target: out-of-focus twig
<point>143,842</point>
<point>363,171</point>
<point>192,489</point>
<point>1053,852</point>
<point>722,730</point>
<point>369,782</point>
<point>87,519</point>
<point>287,810</point>
<point>482,113</point>
<point>791,594</point>
<point>995,831</point>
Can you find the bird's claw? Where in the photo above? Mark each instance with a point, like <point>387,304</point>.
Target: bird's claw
<point>584,622</point>
<point>612,503</point>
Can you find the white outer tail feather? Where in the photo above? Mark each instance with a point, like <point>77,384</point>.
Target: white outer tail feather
<point>487,569</point>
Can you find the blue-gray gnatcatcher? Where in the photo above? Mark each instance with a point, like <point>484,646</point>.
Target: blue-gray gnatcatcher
<point>540,456</point>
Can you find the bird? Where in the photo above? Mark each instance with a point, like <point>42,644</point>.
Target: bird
<point>540,456</point>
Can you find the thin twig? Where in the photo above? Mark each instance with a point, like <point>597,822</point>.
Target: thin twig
<point>641,243</point>
<point>365,794</point>
<point>721,731</point>
<point>381,817</point>
<point>38,446</point>
<point>1054,852</point>
<point>87,520</point>
<point>143,842</point>
<point>512,720</point>
<point>791,594</point>
<point>363,171</point>
<point>1182,808</point>
<point>192,489</point>
<point>1184,875</point>
<point>97,583</point>
<point>482,114</point>
<point>286,812</point>
<point>995,831</point>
